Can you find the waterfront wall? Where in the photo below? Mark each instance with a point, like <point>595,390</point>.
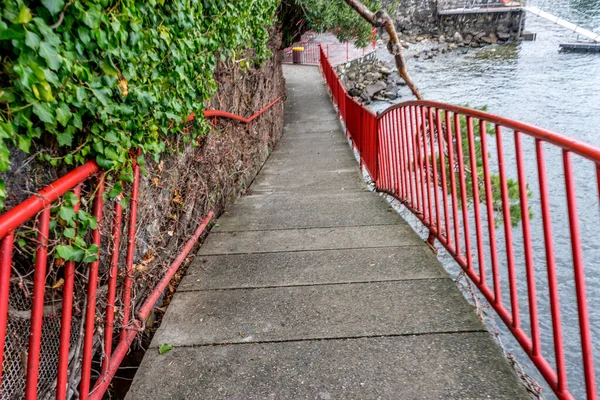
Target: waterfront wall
<point>417,17</point>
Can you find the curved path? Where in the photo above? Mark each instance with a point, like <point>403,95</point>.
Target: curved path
<point>312,287</point>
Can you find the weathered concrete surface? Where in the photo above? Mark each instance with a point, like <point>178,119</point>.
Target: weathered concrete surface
<point>345,237</point>
<point>321,267</point>
<point>447,366</point>
<point>310,288</point>
<point>316,312</point>
<point>275,211</point>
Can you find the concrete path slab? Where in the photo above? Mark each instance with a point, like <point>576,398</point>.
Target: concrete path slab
<point>316,312</point>
<point>309,181</point>
<point>273,241</point>
<point>271,211</point>
<point>448,366</point>
<point>310,288</point>
<point>321,267</point>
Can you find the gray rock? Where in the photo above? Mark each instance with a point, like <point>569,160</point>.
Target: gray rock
<point>385,70</point>
<point>354,92</point>
<point>503,36</point>
<point>458,37</point>
<point>371,90</point>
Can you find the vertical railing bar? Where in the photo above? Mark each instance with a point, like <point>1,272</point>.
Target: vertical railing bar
<point>417,149</point>
<point>435,173</point>
<point>427,166</point>
<point>413,154</point>
<point>400,132</point>
<point>387,157</point>
<point>579,275</point>
<point>131,232</point>
<point>489,201</point>
<point>90,312</point>
<point>6,249</point>
<point>112,284</point>
<point>441,140</point>
<point>450,145</point>
<point>551,267</point>
<point>66,318</point>
<point>510,258</point>
<point>406,155</point>
<point>529,263</point>
<point>476,200</point>
<point>395,149</point>
<point>37,306</point>
<point>383,159</point>
<point>463,190</point>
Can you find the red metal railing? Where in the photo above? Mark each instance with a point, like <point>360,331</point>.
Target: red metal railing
<point>131,318</point>
<point>435,158</point>
<point>335,52</point>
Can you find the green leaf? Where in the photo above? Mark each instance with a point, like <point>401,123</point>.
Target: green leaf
<point>71,199</point>
<point>164,348</point>
<point>54,6</point>
<point>65,138</point>
<point>6,96</point>
<point>104,163</point>
<point>49,53</point>
<point>102,95</point>
<point>44,112</point>
<point>116,190</point>
<point>24,143</point>
<point>66,213</point>
<point>69,233</point>
<point>45,92</point>
<point>24,16</point>
<point>91,17</point>
<point>69,253</point>
<point>63,114</point>
<point>4,158</point>
<point>108,68</point>
<point>32,40</point>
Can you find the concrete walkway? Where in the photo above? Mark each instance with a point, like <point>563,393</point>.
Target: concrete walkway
<point>312,287</point>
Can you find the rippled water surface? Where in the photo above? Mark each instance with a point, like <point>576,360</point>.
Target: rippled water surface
<point>536,83</point>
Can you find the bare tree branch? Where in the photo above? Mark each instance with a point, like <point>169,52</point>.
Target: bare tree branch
<point>381,19</point>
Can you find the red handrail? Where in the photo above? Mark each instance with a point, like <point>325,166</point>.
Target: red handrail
<point>416,152</point>
<point>40,205</point>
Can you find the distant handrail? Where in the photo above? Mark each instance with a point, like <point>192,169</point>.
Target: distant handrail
<point>434,159</point>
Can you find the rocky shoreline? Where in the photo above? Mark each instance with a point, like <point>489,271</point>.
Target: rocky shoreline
<point>369,79</point>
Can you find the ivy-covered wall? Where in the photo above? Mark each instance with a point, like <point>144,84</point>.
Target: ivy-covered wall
<point>85,79</point>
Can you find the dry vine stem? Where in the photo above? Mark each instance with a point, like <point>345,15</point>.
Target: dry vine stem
<point>381,19</point>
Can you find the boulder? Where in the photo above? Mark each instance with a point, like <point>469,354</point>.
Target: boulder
<point>385,71</point>
<point>458,37</point>
<point>375,88</point>
<point>491,39</point>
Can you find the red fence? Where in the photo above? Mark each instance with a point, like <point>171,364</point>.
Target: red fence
<point>130,320</point>
<point>335,52</point>
<point>434,159</point>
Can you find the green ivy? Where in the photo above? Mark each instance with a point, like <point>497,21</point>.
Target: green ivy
<point>104,78</point>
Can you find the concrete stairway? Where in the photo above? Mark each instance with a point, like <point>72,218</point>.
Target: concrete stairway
<point>312,287</point>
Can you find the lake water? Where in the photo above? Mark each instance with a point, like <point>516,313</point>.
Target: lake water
<point>536,83</point>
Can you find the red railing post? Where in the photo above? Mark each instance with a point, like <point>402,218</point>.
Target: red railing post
<point>6,248</point>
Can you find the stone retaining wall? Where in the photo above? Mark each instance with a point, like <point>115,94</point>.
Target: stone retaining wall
<point>417,17</point>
